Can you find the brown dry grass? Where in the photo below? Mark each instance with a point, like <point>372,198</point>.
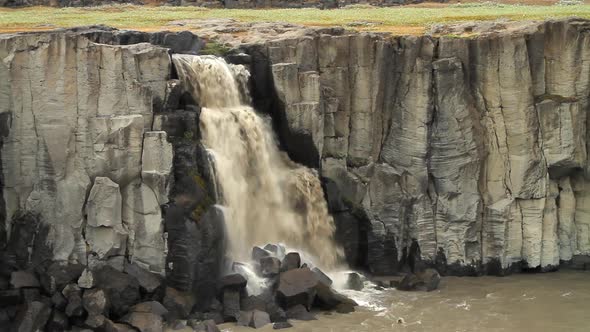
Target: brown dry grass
<point>413,19</point>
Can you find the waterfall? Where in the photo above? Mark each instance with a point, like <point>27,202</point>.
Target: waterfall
<point>271,199</point>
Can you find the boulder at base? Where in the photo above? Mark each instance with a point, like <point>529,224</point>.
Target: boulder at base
<point>291,261</point>
<point>297,286</point>
<point>255,319</point>
<point>427,280</point>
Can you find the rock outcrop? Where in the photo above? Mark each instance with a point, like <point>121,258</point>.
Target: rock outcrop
<point>467,153</point>
<point>79,150</point>
<point>464,154</point>
<point>97,147</point>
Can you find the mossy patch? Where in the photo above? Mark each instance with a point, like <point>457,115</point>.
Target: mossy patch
<point>214,48</point>
<point>205,201</point>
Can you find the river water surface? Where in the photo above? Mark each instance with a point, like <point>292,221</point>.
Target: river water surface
<point>557,301</point>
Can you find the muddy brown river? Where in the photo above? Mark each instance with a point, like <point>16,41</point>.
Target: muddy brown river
<point>553,302</point>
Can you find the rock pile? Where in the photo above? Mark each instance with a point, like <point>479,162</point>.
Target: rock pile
<point>68,297</point>
<point>291,289</point>
<point>71,297</point>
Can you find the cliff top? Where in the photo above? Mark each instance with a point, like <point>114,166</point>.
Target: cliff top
<point>404,20</point>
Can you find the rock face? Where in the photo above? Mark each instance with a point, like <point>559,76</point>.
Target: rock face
<point>468,154</point>
<point>79,118</point>
<point>94,141</point>
<point>464,154</point>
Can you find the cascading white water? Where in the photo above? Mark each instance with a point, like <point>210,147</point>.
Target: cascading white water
<point>271,199</point>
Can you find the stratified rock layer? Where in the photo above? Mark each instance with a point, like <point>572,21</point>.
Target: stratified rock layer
<point>468,153</point>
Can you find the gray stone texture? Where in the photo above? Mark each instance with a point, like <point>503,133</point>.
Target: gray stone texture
<point>473,148</point>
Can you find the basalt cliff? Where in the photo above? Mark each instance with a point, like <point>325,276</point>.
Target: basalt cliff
<point>463,150</point>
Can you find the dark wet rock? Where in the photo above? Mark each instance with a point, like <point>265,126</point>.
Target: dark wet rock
<point>32,317</point>
<point>179,304</point>
<point>58,322</point>
<point>7,315</point>
<point>354,281</point>
<point>58,275</point>
<point>110,326</point>
<point>431,279</point>
<point>215,306</point>
<point>23,279</point>
<point>233,281</point>
<point>153,307</point>
<point>259,253</point>
<point>4,283</point>
<point>204,326</point>
<point>231,304</point>
<point>33,294</point>
<point>274,249</point>
<point>186,271</point>
<point>177,42</point>
<point>59,301</point>
<point>270,266</point>
<point>299,312</point>
<point>75,308</point>
<point>281,325</point>
<point>144,321</point>
<point>409,282</point>
<point>253,302</point>
<point>178,324</point>
<point>71,290</point>
<point>255,319</point>
<point>386,283</point>
<point>328,299</point>
<point>94,321</point>
<point>147,280</point>
<point>244,318</point>
<point>322,277</point>
<point>259,319</point>
<point>122,289</point>
<point>95,301</point>
<point>297,286</point>
<point>27,245</point>
<point>427,280</point>
<point>348,227</point>
<point>182,233</point>
<point>217,317</point>
<point>10,297</point>
<point>78,328</point>
<point>580,262</point>
<point>239,58</point>
<point>174,91</point>
<point>277,314</point>
<point>291,261</point>
<point>345,308</point>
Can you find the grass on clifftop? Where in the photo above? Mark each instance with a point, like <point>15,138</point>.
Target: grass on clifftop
<point>398,20</point>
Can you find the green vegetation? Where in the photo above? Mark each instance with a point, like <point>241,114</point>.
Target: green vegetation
<point>203,201</point>
<point>189,136</point>
<point>214,48</point>
<point>397,19</point>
